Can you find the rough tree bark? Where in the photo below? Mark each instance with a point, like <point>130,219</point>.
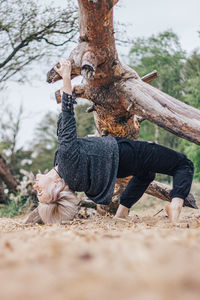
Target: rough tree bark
<point>2,194</point>
<point>6,177</point>
<point>120,97</point>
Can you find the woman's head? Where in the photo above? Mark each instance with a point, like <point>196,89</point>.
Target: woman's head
<point>57,203</point>
<point>43,185</point>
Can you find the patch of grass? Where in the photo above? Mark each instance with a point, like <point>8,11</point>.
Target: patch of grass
<point>17,205</point>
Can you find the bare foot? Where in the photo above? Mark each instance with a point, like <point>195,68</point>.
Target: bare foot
<point>122,212</point>
<point>174,209</point>
<point>123,220</point>
<point>173,212</point>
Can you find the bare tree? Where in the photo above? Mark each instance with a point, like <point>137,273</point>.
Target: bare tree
<point>9,131</point>
<point>28,32</point>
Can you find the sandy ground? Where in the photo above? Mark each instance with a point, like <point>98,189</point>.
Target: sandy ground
<point>99,258</point>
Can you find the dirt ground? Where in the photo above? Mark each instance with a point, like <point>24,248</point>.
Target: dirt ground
<point>99,258</point>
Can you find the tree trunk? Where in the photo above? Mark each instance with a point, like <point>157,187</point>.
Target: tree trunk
<point>119,95</point>
<point>6,177</point>
<point>2,195</point>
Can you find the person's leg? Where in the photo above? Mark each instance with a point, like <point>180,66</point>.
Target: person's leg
<point>182,181</point>
<point>167,161</point>
<point>133,192</point>
<point>130,162</point>
<point>155,159</point>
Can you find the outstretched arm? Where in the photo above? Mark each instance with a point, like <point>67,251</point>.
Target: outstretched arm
<point>64,70</point>
<point>68,147</point>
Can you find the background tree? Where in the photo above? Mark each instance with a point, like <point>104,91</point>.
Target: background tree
<point>10,125</point>
<point>192,97</point>
<point>45,143</point>
<point>162,52</point>
<point>179,77</point>
<point>192,80</point>
<point>30,32</point>
<point>84,121</point>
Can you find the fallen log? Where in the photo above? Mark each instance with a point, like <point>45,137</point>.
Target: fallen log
<point>162,191</point>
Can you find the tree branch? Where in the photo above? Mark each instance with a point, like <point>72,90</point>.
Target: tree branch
<point>12,54</point>
<point>79,90</point>
<point>37,36</point>
<point>17,69</point>
<point>160,108</point>
<point>162,191</point>
<point>53,76</point>
<point>150,76</point>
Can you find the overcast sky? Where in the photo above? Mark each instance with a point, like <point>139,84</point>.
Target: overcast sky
<point>149,17</point>
<point>144,18</point>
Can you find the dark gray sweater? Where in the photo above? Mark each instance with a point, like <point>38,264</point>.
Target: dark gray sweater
<point>87,165</point>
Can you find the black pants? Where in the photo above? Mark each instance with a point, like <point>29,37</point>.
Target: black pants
<point>143,160</point>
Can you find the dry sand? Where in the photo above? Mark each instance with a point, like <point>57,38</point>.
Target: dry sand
<point>99,258</point>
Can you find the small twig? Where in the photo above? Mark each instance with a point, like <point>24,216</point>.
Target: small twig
<point>150,76</point>
<point>158,212</point>
<point>130,106</point>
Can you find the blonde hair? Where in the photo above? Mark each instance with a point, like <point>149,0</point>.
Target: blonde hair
<point>61,206</point>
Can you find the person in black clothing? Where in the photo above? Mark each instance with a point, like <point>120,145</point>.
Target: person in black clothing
<point>91,165</point>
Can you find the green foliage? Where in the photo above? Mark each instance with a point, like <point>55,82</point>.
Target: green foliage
<point>16,205</point>
<point>147,131</point>
<point>193,153</point>
<point>20,159</point>
<point>84,121</point>
<point>192,90</point>
<point>163,53</point>
<point>192,80</point>
<point>10,124</point>
<point>43,161</point>
<point>45,143</point>
<point>192,97</point>
<point>23,199</point>
<point>179,77</point>
<point>192,65</point>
